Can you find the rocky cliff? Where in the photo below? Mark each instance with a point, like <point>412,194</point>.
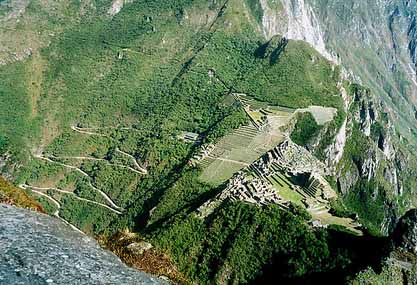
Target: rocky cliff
<point>376,41</point>
<point>376,174</point>
<point>406,232</point>
<point>382,118</point>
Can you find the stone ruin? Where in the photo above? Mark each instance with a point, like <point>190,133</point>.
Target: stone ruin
<point>244,188</point>
<point>204,151</point>
<point>256,189</point>
<point>296,159</point>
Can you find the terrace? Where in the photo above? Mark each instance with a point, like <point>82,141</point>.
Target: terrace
<point>284,175</point>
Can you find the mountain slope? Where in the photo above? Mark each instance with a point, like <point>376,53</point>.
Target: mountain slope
<point>381,35</point>
<point>176,119</point>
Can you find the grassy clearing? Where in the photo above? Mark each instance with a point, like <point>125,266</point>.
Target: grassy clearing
<point>219,171</point>
<point>287,192</point>
<point>328,219</point>
<point>256,116</point>
<point>322,115</point>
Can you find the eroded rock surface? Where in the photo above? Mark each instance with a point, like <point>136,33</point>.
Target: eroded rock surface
<point>38,249</point>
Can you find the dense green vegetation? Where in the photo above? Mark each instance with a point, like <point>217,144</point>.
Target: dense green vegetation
<point>47,205</point>
<point>292,75</point>
<point>339,209</point>
<point>138,79</point>
<point>14,117</point>
<point>367,200</point>
<point>100,89</point>
<point>186,193</point>
<point>233,246</point>
<point>75,211</point>
<point>230,122</point>
<point>305,129</point>
<point>256,9</point>
<point>4,142</point>
<point>388,275</point>
<point>119,72</point>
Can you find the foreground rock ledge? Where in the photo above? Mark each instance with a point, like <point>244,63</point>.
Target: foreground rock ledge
<point>38,249</point>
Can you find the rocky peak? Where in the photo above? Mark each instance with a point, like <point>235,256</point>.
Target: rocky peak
<point>365,114</point>
<point>300,23</point>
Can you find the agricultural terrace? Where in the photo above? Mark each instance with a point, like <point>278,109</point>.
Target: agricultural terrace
<point>246,144</point>
<point>238,150</point>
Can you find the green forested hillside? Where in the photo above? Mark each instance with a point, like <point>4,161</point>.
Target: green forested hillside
<point>94,118</point>
<point>235,244</point>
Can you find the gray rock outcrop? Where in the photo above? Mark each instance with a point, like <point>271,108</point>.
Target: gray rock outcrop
<point>38,249</point>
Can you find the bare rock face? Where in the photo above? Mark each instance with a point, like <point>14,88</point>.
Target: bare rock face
<point>139,247</point>
<point>295,20</point>
<point>117,6</point>
<point>38,249</point>
<point>334,152</point>
<point>383,34</point>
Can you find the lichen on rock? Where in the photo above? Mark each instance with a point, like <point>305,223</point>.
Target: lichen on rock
<point>38,249</point>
